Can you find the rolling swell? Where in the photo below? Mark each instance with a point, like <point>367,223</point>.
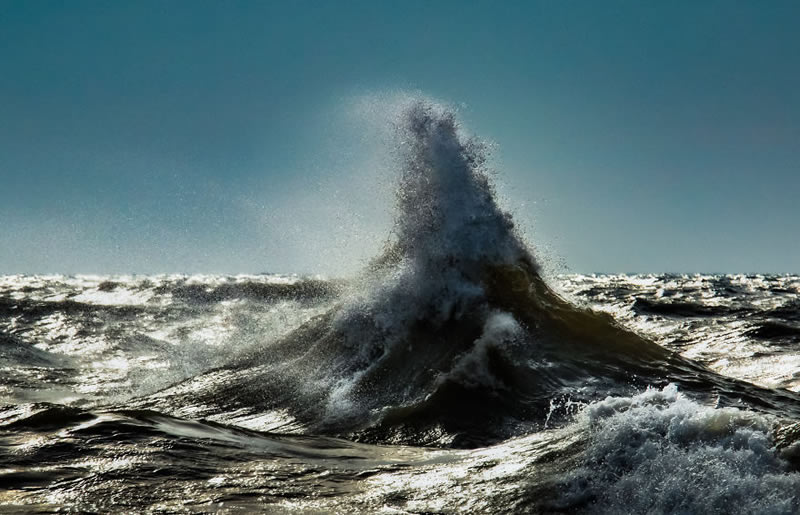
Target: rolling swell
<point>450,337</point>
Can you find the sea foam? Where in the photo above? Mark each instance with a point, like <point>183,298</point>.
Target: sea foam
<point>660,452</point>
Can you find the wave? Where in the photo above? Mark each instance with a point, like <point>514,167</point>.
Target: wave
<point>683,309</point>
<point>789,311</point>
<point>654,452</point>
<point>771,330</point>
<point>451,336</point>
<point>315,290</point>
<point>14,352</point>
<point>30,309</point>
<point>660,452</point>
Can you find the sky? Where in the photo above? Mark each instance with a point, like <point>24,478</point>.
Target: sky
<point>220,137</point>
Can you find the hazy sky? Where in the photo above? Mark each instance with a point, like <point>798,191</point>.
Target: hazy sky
<point>197,136</point>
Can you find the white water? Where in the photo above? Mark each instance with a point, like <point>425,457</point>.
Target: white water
<point>659,452</point>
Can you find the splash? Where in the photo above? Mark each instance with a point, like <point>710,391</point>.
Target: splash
<point>448,230</point>
<point>450,320</point>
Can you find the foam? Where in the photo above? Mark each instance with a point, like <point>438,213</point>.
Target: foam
<point>660,452</point>
<point>501,331</point>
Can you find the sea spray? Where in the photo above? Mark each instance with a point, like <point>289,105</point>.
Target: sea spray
<point>447,229</point>
<point>450,336</point>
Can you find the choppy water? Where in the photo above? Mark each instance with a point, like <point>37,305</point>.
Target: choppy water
<point>447,377</point>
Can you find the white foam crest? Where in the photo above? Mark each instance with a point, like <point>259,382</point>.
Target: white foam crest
<point>660,452</point>
<point>501,332</point>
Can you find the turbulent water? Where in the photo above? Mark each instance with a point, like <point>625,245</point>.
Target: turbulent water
<point>447,376</point>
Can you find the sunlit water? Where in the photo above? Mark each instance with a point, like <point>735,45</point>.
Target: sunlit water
<point>76,349</point>
<point>447,376</point>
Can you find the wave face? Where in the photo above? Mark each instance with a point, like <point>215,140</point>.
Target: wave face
<point>485,389</point>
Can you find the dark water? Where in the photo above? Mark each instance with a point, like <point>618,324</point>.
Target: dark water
<point>447,377</point>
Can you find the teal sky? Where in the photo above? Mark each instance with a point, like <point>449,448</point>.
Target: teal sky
<point>217,136</point>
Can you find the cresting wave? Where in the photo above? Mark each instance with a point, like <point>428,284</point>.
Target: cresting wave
<point>486,390</point>
<point>451,336</point>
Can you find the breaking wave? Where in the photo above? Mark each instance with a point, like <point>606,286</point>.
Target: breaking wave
<point>450,338</point>
<point>453,319</point>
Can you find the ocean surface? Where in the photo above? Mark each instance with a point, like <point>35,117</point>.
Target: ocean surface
<point>448,376</point>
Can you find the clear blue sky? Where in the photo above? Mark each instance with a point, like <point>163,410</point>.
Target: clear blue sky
<point>213,137</point>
